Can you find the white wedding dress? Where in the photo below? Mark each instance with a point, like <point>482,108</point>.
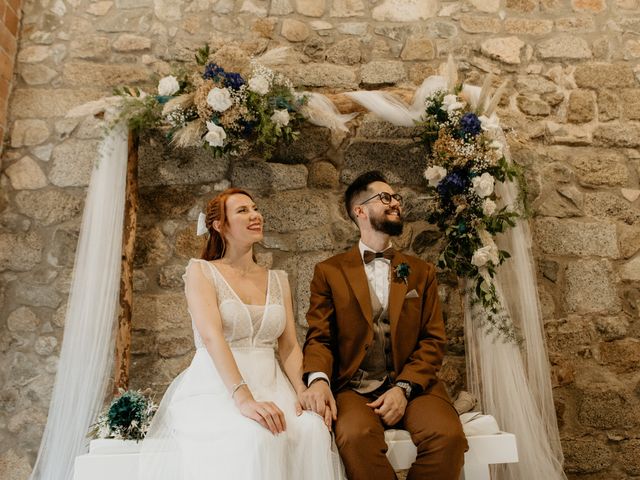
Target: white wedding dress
<point>198,432</point>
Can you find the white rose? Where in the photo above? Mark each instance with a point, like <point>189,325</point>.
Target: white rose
<point>280,117</point>
<point>435,175</point>
<point>219,99</point>
<point>484,255</point>
<point>259,85</point>
<point>491,125</point>
<point>488,207</point>
<point>215,135</point>
<point>450,102</point>
<point>483,185</point>
<point>168,86</point>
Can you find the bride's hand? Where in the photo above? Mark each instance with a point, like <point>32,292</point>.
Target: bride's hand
<point>318,398</point>
<point>266,414</point>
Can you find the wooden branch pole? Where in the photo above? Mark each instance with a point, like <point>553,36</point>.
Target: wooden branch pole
<point>123,334</point>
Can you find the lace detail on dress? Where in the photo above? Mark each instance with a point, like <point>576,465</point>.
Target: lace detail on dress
<point>245,325</point>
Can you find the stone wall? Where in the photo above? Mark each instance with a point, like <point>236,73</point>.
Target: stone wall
<point>571,115</point>
<point>9,27</point>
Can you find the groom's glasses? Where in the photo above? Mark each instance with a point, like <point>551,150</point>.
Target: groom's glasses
<point>385,198</point>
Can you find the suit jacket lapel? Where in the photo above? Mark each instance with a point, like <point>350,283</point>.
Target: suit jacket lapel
<point>354,271</point>
<point>397,292</point>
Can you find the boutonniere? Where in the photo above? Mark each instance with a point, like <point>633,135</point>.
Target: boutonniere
<point>402,271</point>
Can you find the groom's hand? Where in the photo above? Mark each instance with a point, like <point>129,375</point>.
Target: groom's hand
<point>318,398</point>
<point>390,406</point>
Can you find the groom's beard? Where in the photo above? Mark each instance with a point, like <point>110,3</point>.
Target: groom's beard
<point>382,224</point>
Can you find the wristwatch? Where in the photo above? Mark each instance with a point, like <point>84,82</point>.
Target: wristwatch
<point>406,386</point>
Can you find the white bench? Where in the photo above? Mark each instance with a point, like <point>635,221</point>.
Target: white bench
<point>109,459</point>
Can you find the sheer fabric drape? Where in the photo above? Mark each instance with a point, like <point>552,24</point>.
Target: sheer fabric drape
<point>86,354</point>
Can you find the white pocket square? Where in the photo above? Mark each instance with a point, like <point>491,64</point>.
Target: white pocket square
<point>412,294</point>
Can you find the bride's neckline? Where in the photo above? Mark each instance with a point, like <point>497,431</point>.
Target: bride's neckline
<point>266,294</point>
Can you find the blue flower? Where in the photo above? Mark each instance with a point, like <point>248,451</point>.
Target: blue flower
<point>402,272</point>
<point>233,80</point>
<point>454,183</point>
<point>212,71</point>
<point>470,124</point>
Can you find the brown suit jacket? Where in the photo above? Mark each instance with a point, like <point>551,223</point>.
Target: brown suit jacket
<point>340,322</point>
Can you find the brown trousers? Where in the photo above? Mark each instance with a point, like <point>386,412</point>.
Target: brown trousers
<point>434,427</point>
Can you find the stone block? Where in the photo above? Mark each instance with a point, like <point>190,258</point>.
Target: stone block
<point>581,106</point>
<point>600,76</point>
<point>46,103</point>
<point>312,143</point>
<point>131,43</point>
<point>151,247</point>
<point>347,8</point>
<point>167,201</point>
<point>527,26</point>
<point>258,175</point>
<point>611,207</point>
<point>79,73</point>
<point>26,133</point>
<point>175,345</point>
<point>405,10</point>
<point>34,54</point>
<point>533,106</point>
<point>321,75</point>
<point>504,49</point>
<point>608,105</point>
<point>346,52</point>
<point>480,24</point>
<point>14,466</point>
<point>398,161</point>
<point>50,206</point>
<point>522,6</point>
<point>581,24</point>
<point>99,9</point>
<point>295,210</point>
<point>593,167</point>
<point>630,103</point>
<point>310,8</point>
<point>162,164</point>
<point>160,312</point>
<point>591,287</point>
<point>36,74</point>
<point>571,237</point>
<point>188,244</point>
<point>487,6</point>
<point>591,6</point>
<point>280,7</point>
<point>621,356</point>
<point>631,270</point>
<point>628,239</point>
<point>629,458</point>
<point>380,72</point>
<point>612,328</point>
<point>170,276</point>
<point>72,163</point>
<point>26,174</point>
<point>586,455</point>
<point>621,135</point>
<point>294,30</point>
<point>564,47</point>
<point>20,251</point>
<point>22,319</point>
<point>418,47</point>
<point>324,175</point>
<point>606,410</point>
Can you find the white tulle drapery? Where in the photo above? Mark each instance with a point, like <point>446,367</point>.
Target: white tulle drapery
<point>512,381</point>
<point>86,355</point>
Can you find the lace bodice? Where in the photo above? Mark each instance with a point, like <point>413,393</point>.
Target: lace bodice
<point>243,325</point>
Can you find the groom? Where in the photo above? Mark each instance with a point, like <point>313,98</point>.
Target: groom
<point>375,343</point>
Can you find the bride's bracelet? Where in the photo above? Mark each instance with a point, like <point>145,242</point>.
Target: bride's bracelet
<point>235,387</point>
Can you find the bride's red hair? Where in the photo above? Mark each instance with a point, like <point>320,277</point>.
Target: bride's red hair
<point>215,245</point>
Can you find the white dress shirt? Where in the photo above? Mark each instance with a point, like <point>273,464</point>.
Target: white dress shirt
<point>377,272</point>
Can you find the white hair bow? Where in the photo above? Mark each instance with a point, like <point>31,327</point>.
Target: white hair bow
<point>202,225</point>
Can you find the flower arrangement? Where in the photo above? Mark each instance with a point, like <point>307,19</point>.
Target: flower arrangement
<point>227,112</point>
<point>402,272</point>
<point>465,161</point>
<point>127,418</point>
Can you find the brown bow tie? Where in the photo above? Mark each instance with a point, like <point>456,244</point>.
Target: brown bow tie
<point>369,256</point>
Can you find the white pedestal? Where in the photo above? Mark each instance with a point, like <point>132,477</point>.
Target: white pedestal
<point>111,459</point>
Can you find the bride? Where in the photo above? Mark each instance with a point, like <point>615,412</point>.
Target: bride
<point>233,413</point>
